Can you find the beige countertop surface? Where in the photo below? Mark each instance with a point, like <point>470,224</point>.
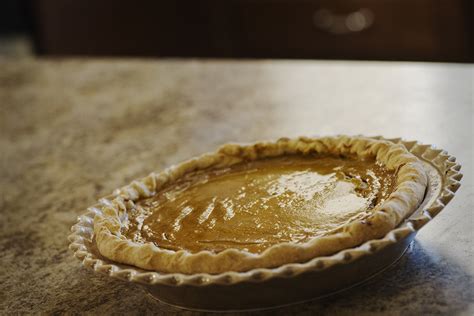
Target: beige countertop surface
<point>73,130</point>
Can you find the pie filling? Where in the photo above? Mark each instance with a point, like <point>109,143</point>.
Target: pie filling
<point>254,205</point>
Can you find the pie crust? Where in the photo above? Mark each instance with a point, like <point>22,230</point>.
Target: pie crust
<point>410,185</point>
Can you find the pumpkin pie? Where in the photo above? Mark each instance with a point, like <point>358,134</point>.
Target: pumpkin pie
<point>262,205</point>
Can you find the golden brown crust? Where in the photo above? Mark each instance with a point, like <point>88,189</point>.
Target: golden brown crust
<point>409,192</point>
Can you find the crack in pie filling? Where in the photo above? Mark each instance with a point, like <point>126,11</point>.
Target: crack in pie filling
<point>262,205</point>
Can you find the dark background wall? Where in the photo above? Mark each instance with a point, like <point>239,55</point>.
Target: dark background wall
<point>427,30</point>
<point>13,17</point>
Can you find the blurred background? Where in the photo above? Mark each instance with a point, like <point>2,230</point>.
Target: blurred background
<point>413,30</point>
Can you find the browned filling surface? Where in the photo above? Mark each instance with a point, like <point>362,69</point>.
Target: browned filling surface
<point>254,205</point>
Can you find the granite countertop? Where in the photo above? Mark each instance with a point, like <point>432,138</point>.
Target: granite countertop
<point>73,130</point>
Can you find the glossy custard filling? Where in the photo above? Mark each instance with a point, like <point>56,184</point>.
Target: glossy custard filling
<point>254,205</point>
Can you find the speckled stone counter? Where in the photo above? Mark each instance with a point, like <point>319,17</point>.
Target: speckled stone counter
<point>73,130</point>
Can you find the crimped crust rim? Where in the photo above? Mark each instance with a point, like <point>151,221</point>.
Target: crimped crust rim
<point>409,192</point>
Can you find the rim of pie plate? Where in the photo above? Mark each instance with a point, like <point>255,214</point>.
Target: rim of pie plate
<point>410,186</point>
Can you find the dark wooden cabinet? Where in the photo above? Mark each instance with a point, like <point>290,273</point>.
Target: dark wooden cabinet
<point>437,30</point>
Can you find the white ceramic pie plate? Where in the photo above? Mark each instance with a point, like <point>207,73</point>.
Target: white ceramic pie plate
<point>290,283</point>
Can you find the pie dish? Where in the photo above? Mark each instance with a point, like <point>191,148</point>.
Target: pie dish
<point>262,205</point>
<point>268,287</point>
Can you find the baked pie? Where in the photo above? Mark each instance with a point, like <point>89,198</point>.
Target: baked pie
<point>262,205</point>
